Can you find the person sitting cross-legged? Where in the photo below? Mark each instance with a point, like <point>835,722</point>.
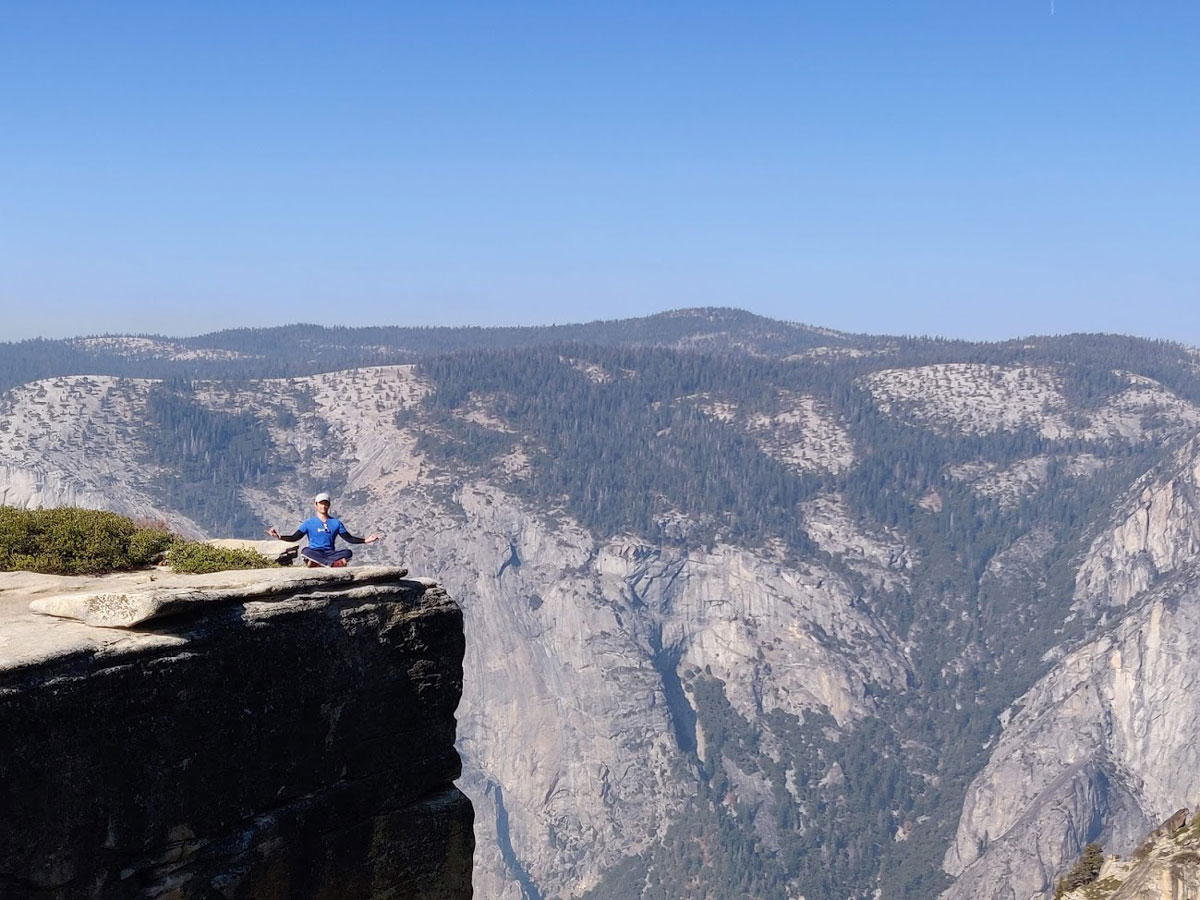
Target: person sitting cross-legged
<point>322,531</point>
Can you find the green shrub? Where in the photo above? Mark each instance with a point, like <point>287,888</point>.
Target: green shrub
<point>72,541</point>
<point>1085,871</point>
<point>199,558</point>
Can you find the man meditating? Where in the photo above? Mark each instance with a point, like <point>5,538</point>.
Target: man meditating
<point>322,531</point>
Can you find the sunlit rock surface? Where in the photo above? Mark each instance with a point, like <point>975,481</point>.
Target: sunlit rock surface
<point>1165,866</point>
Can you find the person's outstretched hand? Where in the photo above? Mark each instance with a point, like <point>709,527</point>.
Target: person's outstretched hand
<point>273,532</point>
<point>373,538</point>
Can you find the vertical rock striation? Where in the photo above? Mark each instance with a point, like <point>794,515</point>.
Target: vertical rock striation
<point>279,736</point>
<point>576,733</point>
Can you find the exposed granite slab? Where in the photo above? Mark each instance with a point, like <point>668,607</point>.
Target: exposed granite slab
<point>285,733</point>
<point>116,605</point>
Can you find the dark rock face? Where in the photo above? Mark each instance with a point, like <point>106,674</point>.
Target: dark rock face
<point>301,747</point>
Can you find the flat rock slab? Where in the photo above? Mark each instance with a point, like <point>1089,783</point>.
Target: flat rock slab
<point>120,606</point>
<point>30,638</point>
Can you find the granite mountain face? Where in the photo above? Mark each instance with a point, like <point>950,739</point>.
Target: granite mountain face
<point>752,609</point>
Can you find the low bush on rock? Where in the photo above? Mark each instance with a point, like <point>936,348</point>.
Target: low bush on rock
<point>71,541</point>
<point>198,558</point>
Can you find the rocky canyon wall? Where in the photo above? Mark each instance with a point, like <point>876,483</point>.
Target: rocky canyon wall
<point>1104,745</point>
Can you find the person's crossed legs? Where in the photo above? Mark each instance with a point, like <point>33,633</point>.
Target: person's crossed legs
<point>334,559</point>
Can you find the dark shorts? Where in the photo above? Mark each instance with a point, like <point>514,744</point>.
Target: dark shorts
<point>325,557</point>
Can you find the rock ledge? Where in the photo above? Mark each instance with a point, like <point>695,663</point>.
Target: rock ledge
<point>121,607</point>
<point>260,734</point>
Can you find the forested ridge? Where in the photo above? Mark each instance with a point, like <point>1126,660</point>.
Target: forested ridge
<point>617,424</point>
<point>290,350</point>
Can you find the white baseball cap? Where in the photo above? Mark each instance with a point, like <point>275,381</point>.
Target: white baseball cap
<point>321,497</point>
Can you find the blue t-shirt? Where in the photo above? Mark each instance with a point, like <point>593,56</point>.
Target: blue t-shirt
<point>321,534</point>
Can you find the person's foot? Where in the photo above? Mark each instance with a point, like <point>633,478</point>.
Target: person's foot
<point>337,564</point>
<point>312,565</point>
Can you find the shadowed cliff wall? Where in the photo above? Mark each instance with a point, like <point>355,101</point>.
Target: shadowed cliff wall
<point>295,745</point>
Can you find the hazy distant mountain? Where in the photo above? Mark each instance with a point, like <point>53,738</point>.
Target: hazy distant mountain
<point>747,602</point>
<point>303,349</point>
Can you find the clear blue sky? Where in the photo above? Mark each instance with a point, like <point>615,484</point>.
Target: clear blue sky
<point>980,168</point>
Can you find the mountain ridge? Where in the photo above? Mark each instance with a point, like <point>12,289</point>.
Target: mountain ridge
<point>767,606</point>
